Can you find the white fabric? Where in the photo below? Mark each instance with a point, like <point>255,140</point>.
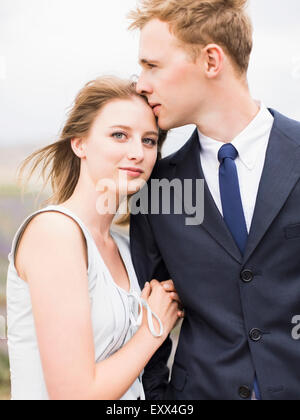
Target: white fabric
<point>114,313</point>
<point>251,145</point>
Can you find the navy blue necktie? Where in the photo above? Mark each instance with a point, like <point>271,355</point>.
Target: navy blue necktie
<point>233,212</point>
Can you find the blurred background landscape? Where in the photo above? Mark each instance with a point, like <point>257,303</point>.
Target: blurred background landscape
<point>13,210</point>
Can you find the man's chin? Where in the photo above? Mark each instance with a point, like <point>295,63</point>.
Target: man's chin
<point>164,124</point>
<point>167,125</point>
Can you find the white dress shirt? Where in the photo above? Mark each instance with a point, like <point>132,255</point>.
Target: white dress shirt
<point>251,144</point>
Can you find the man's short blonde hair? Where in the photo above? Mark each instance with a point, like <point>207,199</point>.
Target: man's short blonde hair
<point>197,23</point>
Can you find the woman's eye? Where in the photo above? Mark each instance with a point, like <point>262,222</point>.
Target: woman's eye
<point>119,136</point>
<point>150,142</point>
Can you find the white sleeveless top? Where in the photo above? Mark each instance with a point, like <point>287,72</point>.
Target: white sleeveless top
<point>114,313</point>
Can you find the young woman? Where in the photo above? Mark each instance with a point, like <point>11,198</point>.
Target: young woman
<point>78,325</point>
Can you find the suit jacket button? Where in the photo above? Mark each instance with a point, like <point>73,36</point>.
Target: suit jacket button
<point>244,392</point>
<point>247,276</point>
<point>255,335</point>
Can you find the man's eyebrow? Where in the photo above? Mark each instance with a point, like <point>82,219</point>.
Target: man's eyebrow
<point>125,127</point>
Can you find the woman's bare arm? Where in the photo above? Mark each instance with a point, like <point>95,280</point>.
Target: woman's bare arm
<point>53,249</point>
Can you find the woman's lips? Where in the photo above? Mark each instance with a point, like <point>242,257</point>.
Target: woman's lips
<point>135,173</point>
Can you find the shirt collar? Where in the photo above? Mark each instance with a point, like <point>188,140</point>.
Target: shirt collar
<point>248,143</point>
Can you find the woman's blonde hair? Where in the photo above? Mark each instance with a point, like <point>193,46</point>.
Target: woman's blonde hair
<point>197,23</point>
<point>58,159</point>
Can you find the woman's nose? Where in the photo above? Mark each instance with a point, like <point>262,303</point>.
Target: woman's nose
<point>136,150</point>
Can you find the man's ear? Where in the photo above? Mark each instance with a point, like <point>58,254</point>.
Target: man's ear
<point>213,57</point>
<point>79,147</point>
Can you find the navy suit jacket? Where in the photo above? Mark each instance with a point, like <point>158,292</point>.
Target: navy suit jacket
<point>239,309</point>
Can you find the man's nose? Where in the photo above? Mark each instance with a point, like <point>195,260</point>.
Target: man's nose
<point>143,87</point>
<point>136,150</point>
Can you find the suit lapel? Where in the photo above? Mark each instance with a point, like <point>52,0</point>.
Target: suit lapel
<point>188,166</point>
<point>280,174</point>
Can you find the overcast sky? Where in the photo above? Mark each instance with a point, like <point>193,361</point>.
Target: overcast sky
<point>50,48</point>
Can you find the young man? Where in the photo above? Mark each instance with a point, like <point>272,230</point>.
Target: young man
<point>238,273</point>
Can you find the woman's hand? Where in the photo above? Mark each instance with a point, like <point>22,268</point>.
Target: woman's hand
<point>165,304</point>
<point>169,286</point>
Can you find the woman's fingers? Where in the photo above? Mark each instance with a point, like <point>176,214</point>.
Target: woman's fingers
<point>146,291</point>
<point>168,285</point>
<point>181,314</point>
<point>175,297</point>
<point>154,283</point>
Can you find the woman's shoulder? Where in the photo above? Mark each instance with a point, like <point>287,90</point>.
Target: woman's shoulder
<point>43,229</point>
<point>53,221</point>
<point>52,224</point>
